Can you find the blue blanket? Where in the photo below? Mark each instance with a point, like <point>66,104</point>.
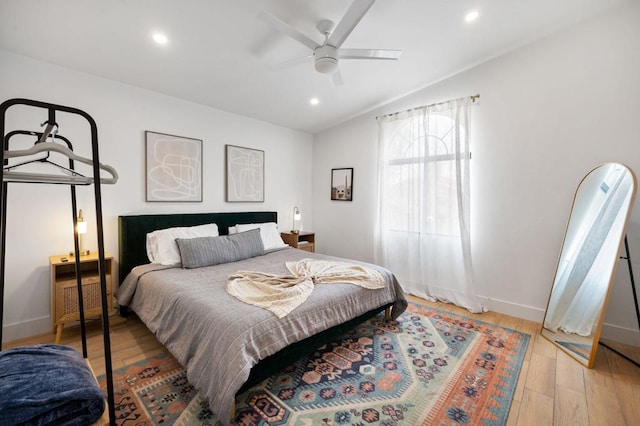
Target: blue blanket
<point>47,385</point>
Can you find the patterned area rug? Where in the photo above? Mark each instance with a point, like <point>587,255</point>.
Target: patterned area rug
<point>429,367</point>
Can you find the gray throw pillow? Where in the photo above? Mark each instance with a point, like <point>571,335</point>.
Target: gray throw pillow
<point>209,251</point>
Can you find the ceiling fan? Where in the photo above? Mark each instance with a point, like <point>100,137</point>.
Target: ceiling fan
<point>327,54</point>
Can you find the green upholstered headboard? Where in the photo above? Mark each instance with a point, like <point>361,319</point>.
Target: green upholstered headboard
<point>133,230</point>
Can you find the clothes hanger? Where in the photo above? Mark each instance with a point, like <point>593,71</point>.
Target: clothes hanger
<point>74,178</point>
<point>41,138</point>
<point>48,133</point>
<point>45,160</point>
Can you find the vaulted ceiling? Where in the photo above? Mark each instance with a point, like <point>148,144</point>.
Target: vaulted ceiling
<point>219,53</point>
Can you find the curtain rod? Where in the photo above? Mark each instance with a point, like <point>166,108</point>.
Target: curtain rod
<point>472,97</point>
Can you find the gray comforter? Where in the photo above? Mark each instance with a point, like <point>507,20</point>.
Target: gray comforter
<point>217,338</point>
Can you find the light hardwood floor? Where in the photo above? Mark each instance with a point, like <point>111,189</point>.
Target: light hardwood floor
<point>552,388</point>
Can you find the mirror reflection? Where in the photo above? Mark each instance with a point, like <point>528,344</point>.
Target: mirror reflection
<point>588,260</point>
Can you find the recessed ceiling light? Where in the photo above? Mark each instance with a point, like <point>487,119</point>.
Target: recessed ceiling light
<point>314,101</point>
<point>471,16</point>
<point>160,38</point>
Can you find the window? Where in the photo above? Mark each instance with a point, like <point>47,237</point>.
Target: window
<point>422,229</point>
<point>417,142</point>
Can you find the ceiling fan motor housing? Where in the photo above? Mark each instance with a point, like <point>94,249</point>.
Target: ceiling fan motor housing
<point>326,59</point>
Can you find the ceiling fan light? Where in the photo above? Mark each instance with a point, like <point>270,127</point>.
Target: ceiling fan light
<point>326,65</point>
<point>326,59</point>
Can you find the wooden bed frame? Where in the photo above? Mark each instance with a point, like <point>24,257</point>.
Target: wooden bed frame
<point>132,232</point>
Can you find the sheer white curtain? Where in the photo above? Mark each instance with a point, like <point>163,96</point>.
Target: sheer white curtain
<point>422,228</point>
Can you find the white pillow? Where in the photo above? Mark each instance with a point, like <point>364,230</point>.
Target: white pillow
<point>152,253</point>
<point>268,232</point>
<point>162,247</point>
<point>233,230</point>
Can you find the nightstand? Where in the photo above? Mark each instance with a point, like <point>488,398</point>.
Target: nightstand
<point>64,289</point>
<point>302,240</point>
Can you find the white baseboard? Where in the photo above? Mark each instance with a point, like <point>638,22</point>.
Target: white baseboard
<point>609,331</point>
<point>620,334</point>
<point>20,330</point>
<point>513,309</point>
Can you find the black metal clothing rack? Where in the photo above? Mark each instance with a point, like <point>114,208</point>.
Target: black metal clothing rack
<point>627,257</point>
<point>42,136</point>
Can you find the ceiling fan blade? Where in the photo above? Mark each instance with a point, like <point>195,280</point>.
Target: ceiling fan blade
<point>336,77</point>
<point>287,29</point>
<point>369,54</point>
<point>290,62</point>
<point>349,21</point>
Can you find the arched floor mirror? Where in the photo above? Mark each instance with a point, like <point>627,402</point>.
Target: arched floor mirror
<point>588,260</point>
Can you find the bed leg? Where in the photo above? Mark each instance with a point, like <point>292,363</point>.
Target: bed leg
<point>387,313</point>
<point>58,333</point>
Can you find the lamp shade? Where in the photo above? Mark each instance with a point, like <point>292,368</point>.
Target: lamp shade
<point>297,216</point>
<point>82,225</point>
<point>81,229</point>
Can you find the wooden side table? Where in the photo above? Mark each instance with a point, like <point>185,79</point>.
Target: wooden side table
<point>302,240</point>
<point>64,288</point>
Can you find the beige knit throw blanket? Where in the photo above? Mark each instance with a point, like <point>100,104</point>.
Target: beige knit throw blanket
<point>281,294</point>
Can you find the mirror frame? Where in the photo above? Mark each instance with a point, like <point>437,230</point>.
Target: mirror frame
<point>598,328</point>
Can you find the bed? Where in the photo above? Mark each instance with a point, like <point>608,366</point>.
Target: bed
<point>224,344</point>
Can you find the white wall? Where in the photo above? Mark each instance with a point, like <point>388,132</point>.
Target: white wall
<point>39,216</point>
<point>548,114</point>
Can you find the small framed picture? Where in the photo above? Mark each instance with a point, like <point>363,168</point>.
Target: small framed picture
<point>342,184</point>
